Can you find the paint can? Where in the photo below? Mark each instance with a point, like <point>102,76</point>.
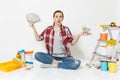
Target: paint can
<point>103,36</point>
<point>112,67</point>
<point>104,65</point>
<point>29,58</point>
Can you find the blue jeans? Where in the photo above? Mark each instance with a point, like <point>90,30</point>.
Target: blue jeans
<point>65,62</point>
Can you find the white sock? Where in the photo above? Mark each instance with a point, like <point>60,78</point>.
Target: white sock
<point>49,65</point>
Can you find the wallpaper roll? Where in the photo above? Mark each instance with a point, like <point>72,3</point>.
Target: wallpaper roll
<point>32,17</point>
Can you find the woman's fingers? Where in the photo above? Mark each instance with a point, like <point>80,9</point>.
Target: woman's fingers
<point>85,33</point>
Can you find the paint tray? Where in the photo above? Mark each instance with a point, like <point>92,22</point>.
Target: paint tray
<point>9,66</point>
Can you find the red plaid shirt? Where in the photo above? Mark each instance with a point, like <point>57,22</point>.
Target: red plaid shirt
<point>48,36</point>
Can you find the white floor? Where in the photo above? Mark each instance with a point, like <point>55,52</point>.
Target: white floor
<point>37,73</point>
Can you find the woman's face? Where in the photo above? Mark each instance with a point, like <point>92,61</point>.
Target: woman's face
<point>58,18</point>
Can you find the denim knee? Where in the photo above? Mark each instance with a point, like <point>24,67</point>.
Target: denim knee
<point>38,55</point>
<point>44,58</point>
<point>76,64</point>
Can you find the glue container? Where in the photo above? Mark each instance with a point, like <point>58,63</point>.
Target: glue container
<point>104,65</point>
<point>29,58</point>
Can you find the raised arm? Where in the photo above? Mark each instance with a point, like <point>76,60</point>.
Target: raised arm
<point>35,31</point>
<point>75,40</point>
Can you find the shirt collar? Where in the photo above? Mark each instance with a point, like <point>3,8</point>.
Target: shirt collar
<point>51,27</point>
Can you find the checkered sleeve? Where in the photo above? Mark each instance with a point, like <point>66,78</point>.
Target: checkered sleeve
<point>42,35</point>
<point>70,37</point>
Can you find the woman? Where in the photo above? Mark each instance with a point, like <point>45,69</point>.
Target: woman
<point>58,39</point>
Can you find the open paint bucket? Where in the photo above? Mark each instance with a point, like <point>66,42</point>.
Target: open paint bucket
<point>112,66</point>
<point>103,36</point>
<point>104,65</point>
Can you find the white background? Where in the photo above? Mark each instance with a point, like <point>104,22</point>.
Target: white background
<point>15,33</point>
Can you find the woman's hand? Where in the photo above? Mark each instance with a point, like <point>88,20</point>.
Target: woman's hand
<point>85,33</point>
